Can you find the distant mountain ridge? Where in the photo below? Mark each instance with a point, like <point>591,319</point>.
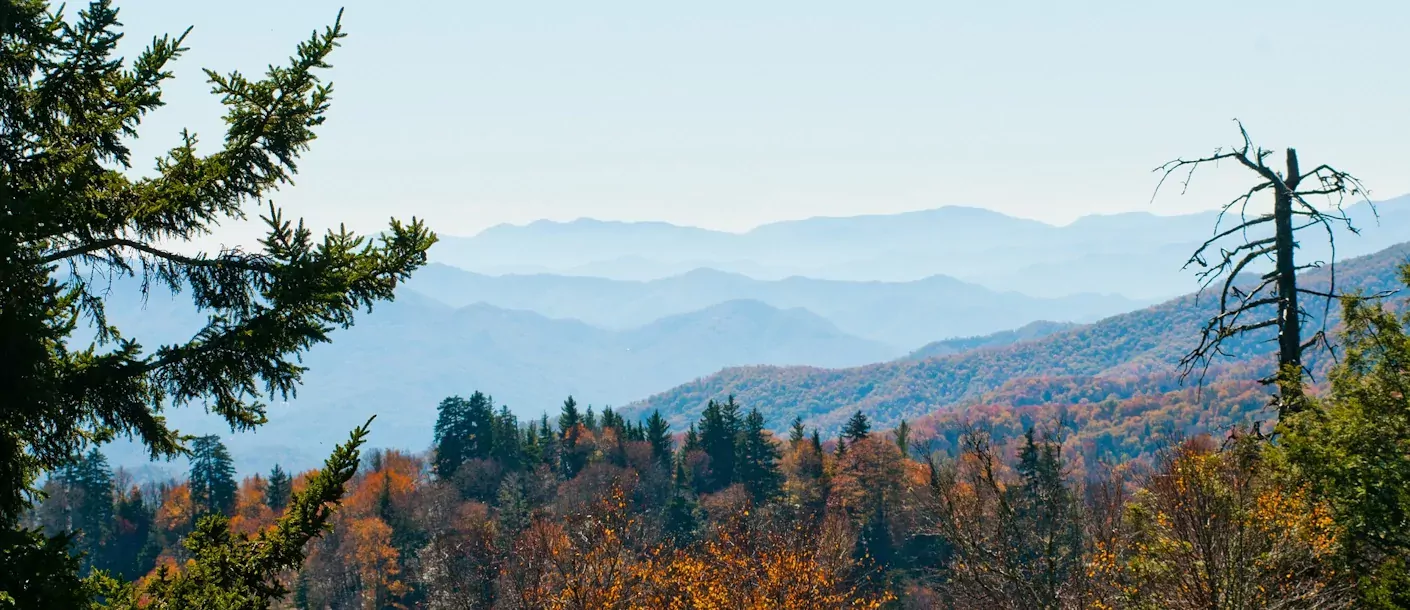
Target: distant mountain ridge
<point>902,314</point>
<point>1135,254</point>
<point>399,361</point>
<point>1140,343</point>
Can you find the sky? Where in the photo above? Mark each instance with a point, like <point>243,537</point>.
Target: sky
<point>731,114</point>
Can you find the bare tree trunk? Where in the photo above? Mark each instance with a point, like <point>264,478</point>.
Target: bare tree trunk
<point>1289,314</point>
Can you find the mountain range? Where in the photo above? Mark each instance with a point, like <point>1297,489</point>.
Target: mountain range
<point>1147,343</point>
<point>904,315</point>
<point>1138,255</point>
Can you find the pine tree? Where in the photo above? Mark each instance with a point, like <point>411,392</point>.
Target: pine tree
<point>902,433</point>
<point>280,486</point>
<point>548,442</point>
<point>841,446</point>
<point>719,432</point>
<point>452,437</point>
<point>75,217</point>
<point>132,553</point>
<point>570,423</point>
<point>508,448</point>
<point>757,461</point>
<point>816,442</point>
<point>569,418</point>
<point>94,516</point>
<point>692,440</point>
<point>797,433</point>
<point>590,420</point>
<point>658,435</point>
<point>74,214</point>
<point>1048,537</point>
<point>212,476</point>
<point>857,428</point>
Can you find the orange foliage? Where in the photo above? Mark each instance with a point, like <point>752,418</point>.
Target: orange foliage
<point>251,512</point>
<point>177,510</point>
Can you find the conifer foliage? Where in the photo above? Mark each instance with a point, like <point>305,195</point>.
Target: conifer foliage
<point>77,222</point>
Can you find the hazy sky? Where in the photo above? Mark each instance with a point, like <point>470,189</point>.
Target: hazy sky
<point>729,114</point>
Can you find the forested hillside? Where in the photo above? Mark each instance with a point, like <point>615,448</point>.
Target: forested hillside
<point>1148,342</point>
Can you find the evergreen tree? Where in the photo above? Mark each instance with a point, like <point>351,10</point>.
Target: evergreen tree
<point>508,450</point>
<point>857,428</point>
<point>682,512</point>
<point>72,111</point>
<point>480,427</point>
<point>1350,448</point>
<point>797,433</point>
<point>548,442</point>
<point>841,446</point>
<point>658,435</point>
<point>590,420</point>
<point>902,433</point>
<point>451,437</point>
<point>133,553</point>
<point>277,492</point>
<point>757,461</point>
<point>816,442</point>
<point>692,440</point>
<point>1046,525</point>
<point>719,432</point>
<point>212,477</point>
<point>75,216</point>
<point>570,423</point>
<point>569,418</point>
<point>93,518</point>
<point>610,420</point>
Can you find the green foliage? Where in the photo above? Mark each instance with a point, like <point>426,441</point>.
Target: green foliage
<point>756,462</point>
<point>465,430</point>
<point>212,476</point>
<point>658,434</point>
<point>231,571</point>
<point>857,428</point>
<point>37,571</point>
<point>1353,445</point>
<point>74,217</point>
<point>75,221</point>
<point>279,489</point>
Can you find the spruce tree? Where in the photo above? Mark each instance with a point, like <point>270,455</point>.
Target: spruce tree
<point>796,432</point>
<point>590,420</point>
<point>569,417</point>
<point>757,462</point>
<point>902,433</point>
<point>480,427</point>
<point>692,440</point>
<point>857,428</point>
<point>658,435</point>
<point>212,477</point>
<point>451,437</point>
<point>75,218</point>
<point>508,448</point>
<point>719,433</point>
<point>280,486</point>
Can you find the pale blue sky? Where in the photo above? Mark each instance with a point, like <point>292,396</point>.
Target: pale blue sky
<point>729,114</point>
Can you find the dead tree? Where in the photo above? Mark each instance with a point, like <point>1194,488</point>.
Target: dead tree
<point>1270,300</point>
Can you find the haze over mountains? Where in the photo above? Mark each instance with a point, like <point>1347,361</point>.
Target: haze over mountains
<point>532,339</point>
<point>1137,255</point>
<point>903,315</point>
<point>1143,346</point>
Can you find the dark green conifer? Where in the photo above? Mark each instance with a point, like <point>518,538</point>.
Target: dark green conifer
<point>857,428</point>
<point>212,477</point>
<point>658,435</point>
<point>277,492</point>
